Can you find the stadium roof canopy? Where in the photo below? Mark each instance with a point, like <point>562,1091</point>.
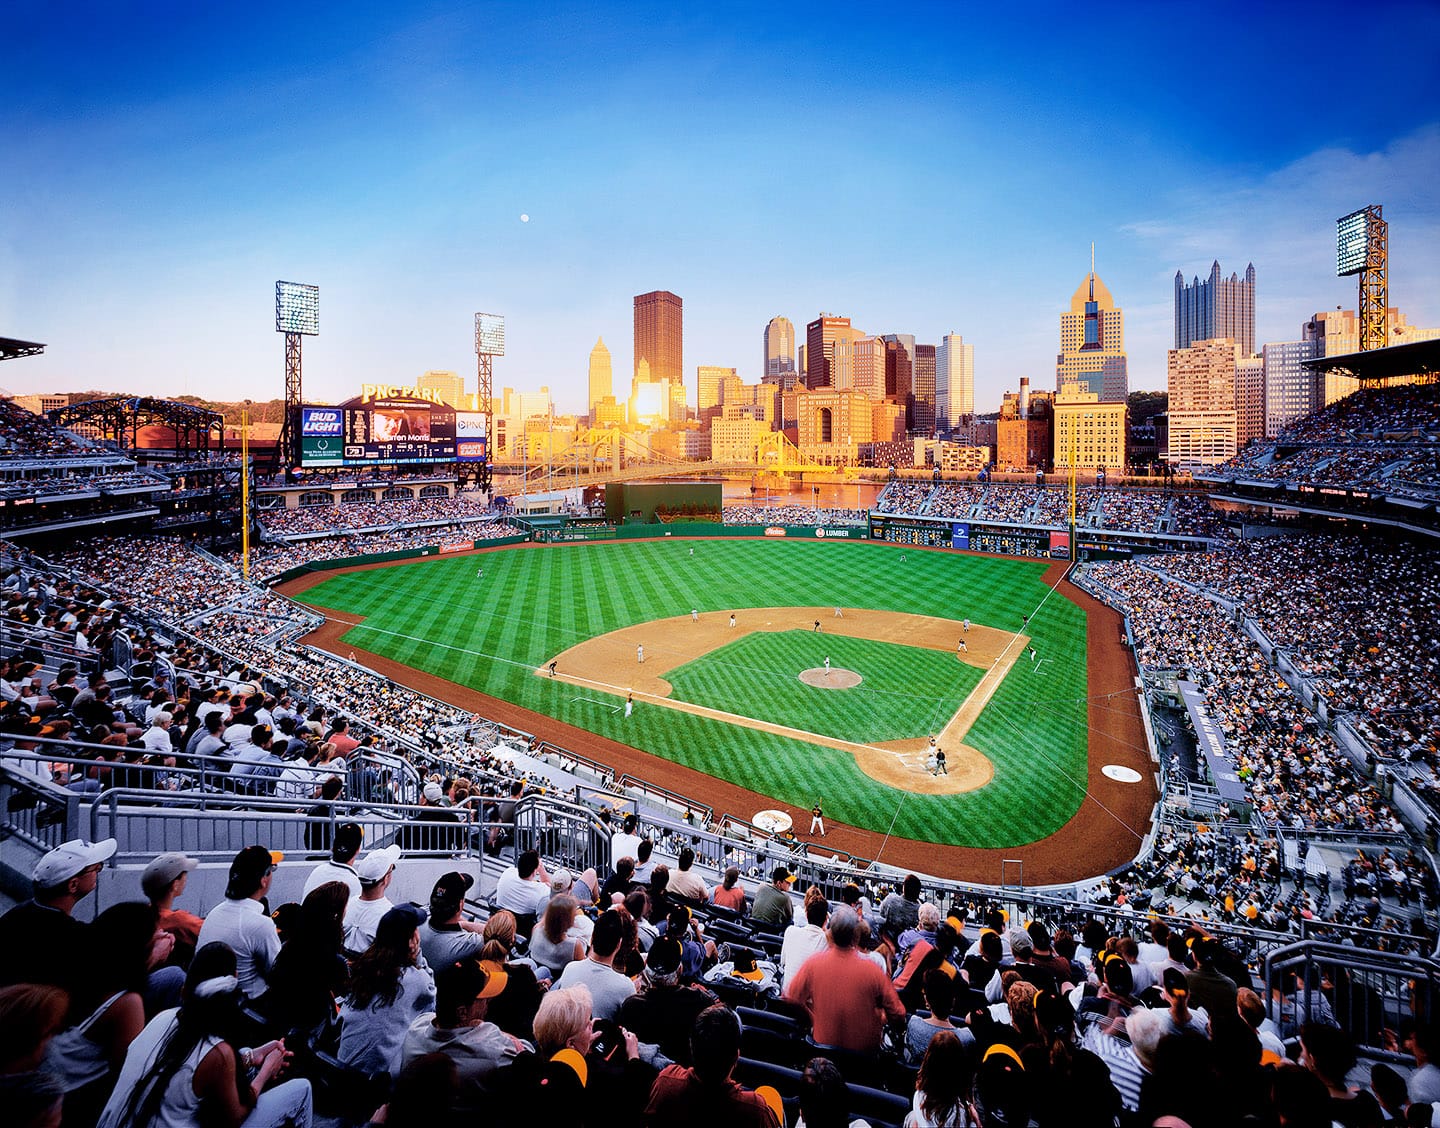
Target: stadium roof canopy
<point>10,348</point>
<point>1419,358</point>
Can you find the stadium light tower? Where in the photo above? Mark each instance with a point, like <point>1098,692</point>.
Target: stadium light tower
<point>1362,246</point>
<point>297,314</point>
<point>489,343</point>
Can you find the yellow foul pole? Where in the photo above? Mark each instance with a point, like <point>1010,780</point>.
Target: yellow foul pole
<point>245,492</point>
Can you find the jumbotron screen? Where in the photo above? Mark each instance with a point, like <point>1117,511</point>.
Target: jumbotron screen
<point>380,431</point>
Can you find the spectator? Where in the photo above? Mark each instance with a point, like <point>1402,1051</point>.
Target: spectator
<point>446,936</point>
<point>900,911</point>
<point>1329,1053</point>
<point>848,998</point>
<point>625,843</point>
<point>608,987</point>
<point>40,939</point>
<point>181,1061</point>
<point>772,904</point>
<point>388,993</point>
<point>524,889</point>
<point>30,1015</point>
<point>804,941</point>
<point>703,1095</point>
<point>941,1084</point>
<point>1210,989</point>
<point>584,1077</point>
<point>939,988</point>
<point>241,922</point>
<point>551,944</point>
<point>458,1028</point>
<point>684,882</point>
<point>663,1011</point>
<point>163,881</point>
<point>363,914</point>
<point>340,866</point>
<point>730,894</point>
<point>310,971</point>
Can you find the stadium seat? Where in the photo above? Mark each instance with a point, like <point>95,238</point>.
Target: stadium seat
<point>877,1107</point>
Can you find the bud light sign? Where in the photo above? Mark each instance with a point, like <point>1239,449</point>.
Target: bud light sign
<point>320,421</point>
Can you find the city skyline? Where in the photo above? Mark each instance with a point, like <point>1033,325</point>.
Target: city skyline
<point>174,163</point>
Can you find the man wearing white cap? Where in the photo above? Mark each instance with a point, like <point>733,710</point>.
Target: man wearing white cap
<point>40,940</point>
<point>362,915</point>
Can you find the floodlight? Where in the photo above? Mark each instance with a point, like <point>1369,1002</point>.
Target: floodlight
<point>297,308</point>
<point>1352,242</point>
<point>489,334</point>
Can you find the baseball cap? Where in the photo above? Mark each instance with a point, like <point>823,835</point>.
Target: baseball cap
<point>449,892</point>
<point>1021,942</point>
<point>561,881</point>
<point>665,956</point>
<point>163,870</point>
<point>70,858</point>
<point>433,792</point>
<point>1174,980</point>
<point>400,922</point>
<point>253,862</point>
<point>467,979</point>
<point>745,965</point>
<point>377,863</point>
<point>782,874</point>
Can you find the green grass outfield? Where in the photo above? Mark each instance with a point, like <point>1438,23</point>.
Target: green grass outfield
<point>533,602</point>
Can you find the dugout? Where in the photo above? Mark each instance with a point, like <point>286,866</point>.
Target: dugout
<point>648,502</point>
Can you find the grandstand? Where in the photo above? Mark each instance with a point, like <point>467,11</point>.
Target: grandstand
<point>1290,682</point>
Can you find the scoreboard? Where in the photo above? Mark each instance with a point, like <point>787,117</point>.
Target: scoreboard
<point>379,431</point>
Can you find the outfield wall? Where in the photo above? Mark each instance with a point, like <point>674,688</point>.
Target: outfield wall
<point>330,565</point>
<point>703,529</point>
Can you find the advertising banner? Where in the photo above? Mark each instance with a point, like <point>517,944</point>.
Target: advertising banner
<point>960,535</point>
<point>1060,546</point>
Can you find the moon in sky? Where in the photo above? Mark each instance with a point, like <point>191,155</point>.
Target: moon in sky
<point>524,218</point>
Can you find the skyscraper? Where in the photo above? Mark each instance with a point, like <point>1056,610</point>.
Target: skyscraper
<point>450,385</point>
<point>869,367</point>
<point>820,337</point>
<point>925,389</point>
<point>954,381</point>
<point>660,335</point>
<point>1204,423</point>
<point>602,376</point>
<point>1216,308</point>
<point>779,349</point>
<point>1092,343</point>
<point>1291,389</point>
<point>900,374</point>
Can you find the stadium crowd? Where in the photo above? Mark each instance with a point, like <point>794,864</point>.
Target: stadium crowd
<point>584,1001</point>
<point>26,435</point>
<point>820,516</point>
<point>373,514</point>
<point>271,559</point>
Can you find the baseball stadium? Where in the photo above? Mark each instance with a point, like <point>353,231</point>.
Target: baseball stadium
<point>1193,716</point>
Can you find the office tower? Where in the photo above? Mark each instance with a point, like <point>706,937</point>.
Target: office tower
<point>660,334</point>
<point>1249,400</point>
<point>1089,433</point>
<point>869,367</point>
<point>1092,343</point>
<point>779,349</point>
<point>900,374</point>
<point>820,337</point>
<point>1291,390</point>
<point>954,381</point>
<point>450,385</point>
<point>925,376</point>
<point>712,383</point>
<point>1216,308</point>
<point>602,376</point>
<point>1203,419</point>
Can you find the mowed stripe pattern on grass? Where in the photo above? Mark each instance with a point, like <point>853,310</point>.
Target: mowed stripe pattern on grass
<point>535,601</point>
<point>906,692</point>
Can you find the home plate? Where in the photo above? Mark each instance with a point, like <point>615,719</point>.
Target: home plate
<point>833,678</point>
<point>1121,774</point>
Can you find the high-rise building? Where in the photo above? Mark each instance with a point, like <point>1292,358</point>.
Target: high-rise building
<point>779,349</point>
<point>900,374</point>
<point>820,337</point>
<point>1337,332</point>
<point>450,385</point>
<point>1249,399</point>
<point>1092,344</point>
<point>1291,389</point>
<point>1089,433</point>
<point>602,377</point>
<point>711,384</point>
<point>954,381</point>
<point>660,335</point>
<point>869,365</point>
<point>925,377</point>
<point>1204,422</point>
<point>1216,308</point>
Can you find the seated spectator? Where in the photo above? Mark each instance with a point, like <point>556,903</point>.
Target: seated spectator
<point>581,1076</point>
<point>1210,988</point>
<point>182,1062</point>
<point>364,913</point>
<point>551,944</point>
<point>241,922</point>
<point>941,1085</point>
<point>458,1028</point>
<point>340,866</point>
<point>927,920</point>
<point>388,992</point>
<point>704,1095</point>
<point>663,1010</point>
<point>685,882</point>
<point>447,936</point>
<point>900,911</point>
<point>848,997</point>
<point>40,939</point>
<point>1329,1053</point>
<point>730,894</point>
<point>162,882</point>
<point>608,987</point>
<point>107,1008</point>
<point>939,990</point>
<point>30,1015</point>
<point>310,971</point>
<point>524,889</point>
<point>772,905</point>
<point>804,941</point>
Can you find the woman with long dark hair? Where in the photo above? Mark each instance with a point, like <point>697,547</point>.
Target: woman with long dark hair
<point>387,993</point>
<point>310,971</point>
<point>941,1085</point>
<point>107,1008</point>
<point>182,1062</point>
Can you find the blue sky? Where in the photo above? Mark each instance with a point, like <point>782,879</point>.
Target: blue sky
<point>922,169</point>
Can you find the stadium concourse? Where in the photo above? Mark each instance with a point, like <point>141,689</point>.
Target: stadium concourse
<point>164,739</point>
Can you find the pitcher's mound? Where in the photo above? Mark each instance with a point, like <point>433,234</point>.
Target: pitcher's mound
<point>833,678</point>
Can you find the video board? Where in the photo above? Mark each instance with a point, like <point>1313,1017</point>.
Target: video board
<point>380,431</point>
<point>470,437</point>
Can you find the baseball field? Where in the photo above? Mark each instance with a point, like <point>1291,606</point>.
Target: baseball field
<point>844,713</point>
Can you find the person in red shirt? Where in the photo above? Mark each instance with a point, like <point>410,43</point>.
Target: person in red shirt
<point>341,738</point>
<point>705,1095</point>
<point>848,997</point>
